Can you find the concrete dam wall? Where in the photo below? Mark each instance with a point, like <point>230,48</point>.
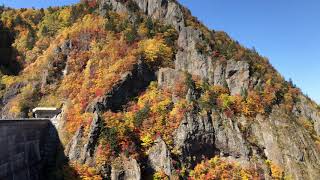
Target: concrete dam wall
<point>27,148</point>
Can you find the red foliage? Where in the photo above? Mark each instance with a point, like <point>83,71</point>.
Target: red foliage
<point>91,3</point>
<point>215,54</point>
<point>99,92</point>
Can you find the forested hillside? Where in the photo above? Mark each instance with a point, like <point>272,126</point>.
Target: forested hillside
<point>148,92</point>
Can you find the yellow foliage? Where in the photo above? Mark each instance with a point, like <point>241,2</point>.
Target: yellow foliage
<point>87,173</point>
<point>226,101</point>
<point>156,50</point>
<point>277,173</point>
<point>9,80</point>
<point>50,101</point>
<point>218,168</point>
<point>253,106</point>
<point>160,176</point>
<point>142,30</point>
<point>147,140</point>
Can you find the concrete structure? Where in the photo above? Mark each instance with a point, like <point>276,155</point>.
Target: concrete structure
<point>45,112</point>
<point>28,148</point>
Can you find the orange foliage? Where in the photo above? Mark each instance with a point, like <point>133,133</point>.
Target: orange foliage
<point>217,168</point>
<point>277,173</point>
<point>86,173</point>
<point>253,106</point>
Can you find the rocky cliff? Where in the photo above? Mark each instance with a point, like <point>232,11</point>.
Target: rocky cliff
<point>176,95</point>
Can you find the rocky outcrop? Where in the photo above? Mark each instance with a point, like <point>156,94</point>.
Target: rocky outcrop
<point>82,147</point>
<point>237,76</point>
<point>166,10</point>
<point>168,77</point>
<point>125,169</point>
<point>195,138</point>
<point>287,144</point>
<point>56,68</point>
<point>93,137</point>
<point>250,142</point>
<point>74,148</point>
<point>189,58</point>
<point>117,6</point>
<point>277,138</point>
<point>130,85</point>
<point>309,112</point>
<point>159,157</point>
<point>228,137</point>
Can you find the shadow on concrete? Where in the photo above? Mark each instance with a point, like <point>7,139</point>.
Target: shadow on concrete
<point>32,150</point>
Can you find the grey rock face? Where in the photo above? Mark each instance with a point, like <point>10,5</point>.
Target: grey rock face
<point>166,10</point>
<point>219,75</point>
<point>159,157</point>
<point>83,149</point>
<point>113,5</point>
<point>237,76</point>
<point>189,59</point>
<point>228,137</point>
<point>288,145</point>
<point>90,147</point>
<point>277,138</point>
<point>305,110</point>
<point>167,77</point>
<point>74,148</point>
<point>195,138</point>
<point>125,169</point>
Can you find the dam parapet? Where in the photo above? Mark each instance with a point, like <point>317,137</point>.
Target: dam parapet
<point>27,148</point>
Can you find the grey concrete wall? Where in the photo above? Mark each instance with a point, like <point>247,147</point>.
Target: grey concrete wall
<point>27,148</point>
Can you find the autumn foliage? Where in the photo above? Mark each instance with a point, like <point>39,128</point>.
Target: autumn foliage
<point>72,57</point>
<point>218,168</point>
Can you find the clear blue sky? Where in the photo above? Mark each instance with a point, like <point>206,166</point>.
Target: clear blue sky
<point>285,31</point>
<point>36,3</point>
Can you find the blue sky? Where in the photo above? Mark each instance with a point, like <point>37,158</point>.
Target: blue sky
<point>36,3</point>
<point>285,31</point>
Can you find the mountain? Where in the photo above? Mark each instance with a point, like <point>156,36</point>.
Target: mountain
<point>147,91</point>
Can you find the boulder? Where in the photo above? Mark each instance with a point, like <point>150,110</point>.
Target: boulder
<point>125,169</point>
<point>159,157</point>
